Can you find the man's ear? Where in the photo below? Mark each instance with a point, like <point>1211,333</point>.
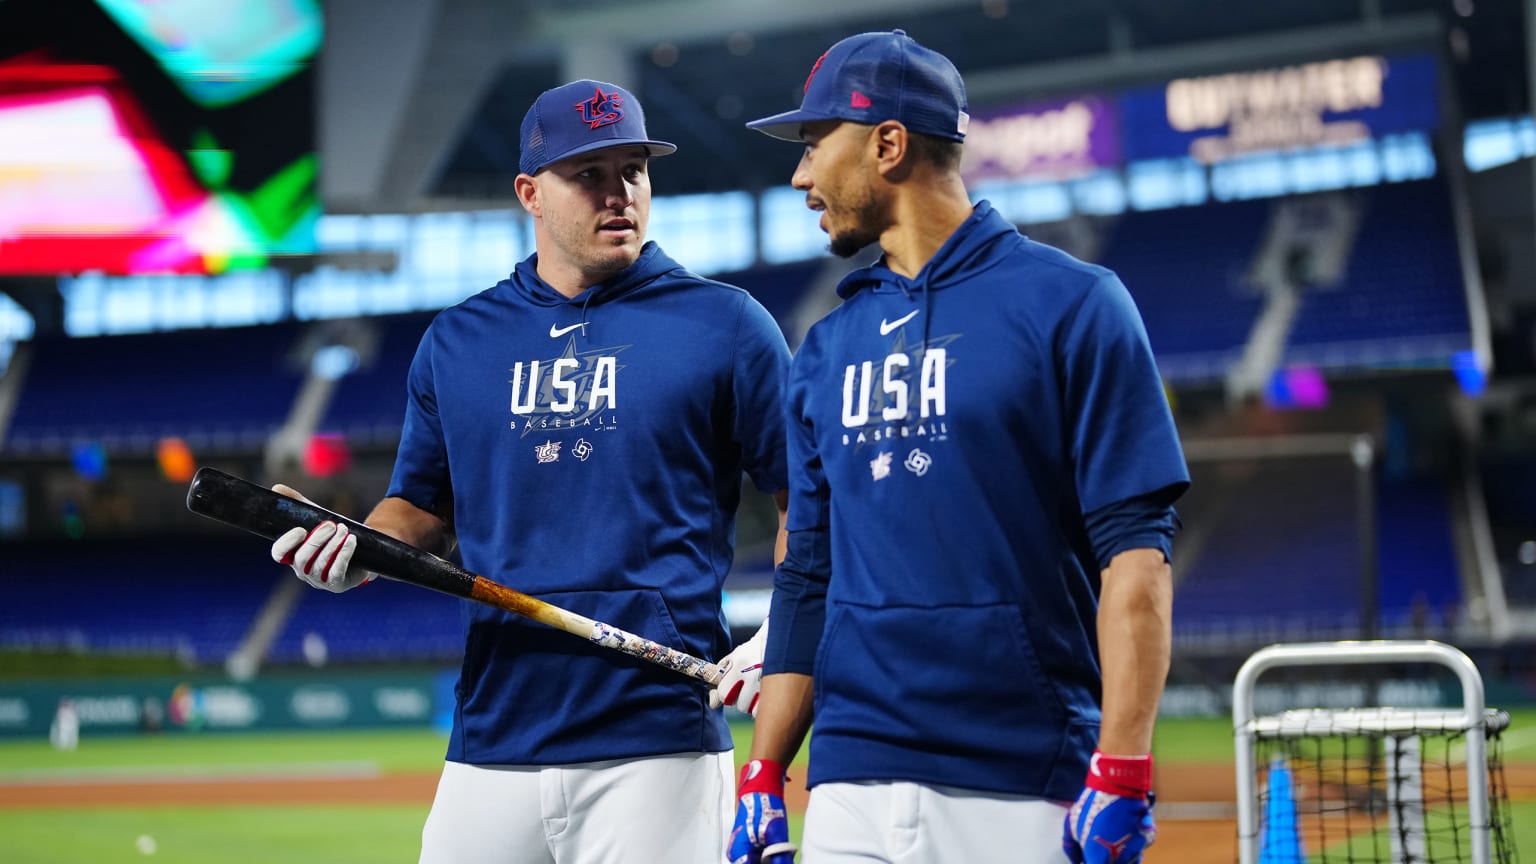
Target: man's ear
<point>890,142</point>
<point>528,195</point>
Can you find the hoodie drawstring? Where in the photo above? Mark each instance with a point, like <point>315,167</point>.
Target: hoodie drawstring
<point>927,308</point>
<point>586,299</point>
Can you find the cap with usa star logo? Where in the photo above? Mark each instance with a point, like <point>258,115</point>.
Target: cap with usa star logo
<point>874,77</point>
<point>578,118</point>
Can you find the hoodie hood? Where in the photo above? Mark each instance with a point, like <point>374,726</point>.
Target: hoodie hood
<point>650,266</point>
<point>964,253</point>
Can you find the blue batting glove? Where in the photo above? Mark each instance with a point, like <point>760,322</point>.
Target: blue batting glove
<point>761,832</point>
<point>1111,822</point>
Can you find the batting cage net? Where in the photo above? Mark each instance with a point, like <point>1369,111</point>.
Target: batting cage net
<point>1395,785</point>
<point>1375,785</point>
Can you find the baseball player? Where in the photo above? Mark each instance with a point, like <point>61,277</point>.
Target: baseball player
<point>976,599</point>
<point>580,430</point>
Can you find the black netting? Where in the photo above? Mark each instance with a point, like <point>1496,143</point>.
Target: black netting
<point>1370,796</point>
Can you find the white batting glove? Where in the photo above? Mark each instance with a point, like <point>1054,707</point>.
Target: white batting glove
<point>743,680</point>
<point>319,556</point>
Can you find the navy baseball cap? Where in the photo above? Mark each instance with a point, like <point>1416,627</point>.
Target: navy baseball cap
<point>874,77</point>
<point>580,117</point>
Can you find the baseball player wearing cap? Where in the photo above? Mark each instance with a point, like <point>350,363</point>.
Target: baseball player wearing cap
<point>581,430</point>
<point>976,599</point>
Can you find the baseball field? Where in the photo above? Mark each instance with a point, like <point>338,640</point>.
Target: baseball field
<point>362,796</point>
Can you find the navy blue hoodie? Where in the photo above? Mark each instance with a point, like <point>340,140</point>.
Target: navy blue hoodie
<point>956,434</point>
<point>592,450</point>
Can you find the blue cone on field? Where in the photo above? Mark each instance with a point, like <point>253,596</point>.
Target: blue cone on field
<point>1280,842</point>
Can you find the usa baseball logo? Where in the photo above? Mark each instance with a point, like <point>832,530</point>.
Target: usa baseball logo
<point>814,69</point>
<point>576,389</point>
<point>602,109</point>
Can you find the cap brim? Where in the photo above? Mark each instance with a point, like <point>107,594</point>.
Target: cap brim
<point>787,126</point>
<point>654,148</point>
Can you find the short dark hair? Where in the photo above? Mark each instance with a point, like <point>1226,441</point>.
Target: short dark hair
<point>941,153</point>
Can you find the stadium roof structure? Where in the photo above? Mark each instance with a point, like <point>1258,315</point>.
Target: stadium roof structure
<point>704,67</point>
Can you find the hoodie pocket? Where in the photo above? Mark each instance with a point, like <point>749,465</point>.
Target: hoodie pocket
<point>961,680</point>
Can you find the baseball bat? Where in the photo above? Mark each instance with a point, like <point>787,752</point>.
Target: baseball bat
<point>259,510</point>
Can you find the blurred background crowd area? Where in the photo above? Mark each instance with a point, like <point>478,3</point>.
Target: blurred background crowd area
<point>224,227</point>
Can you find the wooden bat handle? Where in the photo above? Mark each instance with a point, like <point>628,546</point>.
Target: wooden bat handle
<point>606,635</point>
<point>259,510</point>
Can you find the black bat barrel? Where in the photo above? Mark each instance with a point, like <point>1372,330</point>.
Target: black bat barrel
<point>257,509</point>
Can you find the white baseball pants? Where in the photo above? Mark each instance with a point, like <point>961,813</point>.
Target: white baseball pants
<point>913,823</point>
<point>676,808</point>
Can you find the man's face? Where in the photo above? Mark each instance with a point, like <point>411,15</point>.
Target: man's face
<point>594,208</point>
<point>835,179</point>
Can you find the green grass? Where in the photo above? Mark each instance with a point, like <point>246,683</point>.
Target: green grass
<point>1522,817</point>
<point>387,751</point>
<point>342,834</point>
<point>200,835</point>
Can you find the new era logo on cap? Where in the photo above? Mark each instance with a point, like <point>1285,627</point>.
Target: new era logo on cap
<point>874,77</point>
<point>578,118</point>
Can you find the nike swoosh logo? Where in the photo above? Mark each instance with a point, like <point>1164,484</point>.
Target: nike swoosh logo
<point>557,332</point>
<point>887,326</point>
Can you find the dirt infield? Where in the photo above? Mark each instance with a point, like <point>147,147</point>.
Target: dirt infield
<point>416,788</point>
<point>1196,822</point>
<point>1190,784</point>
<point>1190,841</point>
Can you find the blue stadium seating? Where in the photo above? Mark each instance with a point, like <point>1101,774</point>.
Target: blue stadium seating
<point>196,599</point>
<point>1281,556</point>
<point>1186,269</point>
<point>369,403</point>
<point>1401,300</point>
<point>229,386</point>
<point>189,597</point>
<point>1281,559</point>
<point>380,621</point>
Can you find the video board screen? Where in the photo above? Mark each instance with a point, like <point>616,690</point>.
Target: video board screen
<point>156,136</point>
<point>1213,118</point>
<point>1209,118</point>
<point>1050,138</point>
